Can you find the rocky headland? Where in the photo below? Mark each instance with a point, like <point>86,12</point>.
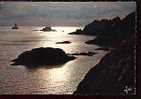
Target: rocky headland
<point>115,74</point>
<point>109,32</point>
<point>112,74</point>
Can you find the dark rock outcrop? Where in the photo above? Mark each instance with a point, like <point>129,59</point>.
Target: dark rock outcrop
<point>47,28</point>
<point>119,30</point>
<point>109,32</point>
<point>115,26</point>
<point>105,49</point>
<point>42,56</point>
<point>114,74</point>
<point>15,26</point>
<point>84,53</point>
<point>97,27</point>
<point>78,31</point>
<point>64,42</point>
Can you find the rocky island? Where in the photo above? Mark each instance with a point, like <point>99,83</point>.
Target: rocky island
<point>47,28</point>
<point>42,56</point>
<point>15,26</point>
<point>64,42</point>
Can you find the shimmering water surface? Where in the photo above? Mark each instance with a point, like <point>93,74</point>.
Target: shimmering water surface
<point>58,80</point>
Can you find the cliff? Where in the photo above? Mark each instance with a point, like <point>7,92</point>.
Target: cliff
<point>115,73</point>
<point>119,30</point>
<point>113,31</point>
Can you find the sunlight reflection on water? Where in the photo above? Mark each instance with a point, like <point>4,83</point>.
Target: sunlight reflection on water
<point>62,79</point>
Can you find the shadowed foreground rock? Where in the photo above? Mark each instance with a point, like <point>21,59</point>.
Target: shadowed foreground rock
<point>113,75</point>
<point>42,56</point>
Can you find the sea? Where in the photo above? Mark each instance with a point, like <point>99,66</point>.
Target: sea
<point>59,80</point>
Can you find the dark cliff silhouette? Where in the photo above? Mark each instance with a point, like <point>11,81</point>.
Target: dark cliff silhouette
<point>120,30</point>
<point>112,31</point>
<point>115,74</point>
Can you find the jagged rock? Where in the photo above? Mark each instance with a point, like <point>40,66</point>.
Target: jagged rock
<point>119,30</point>
<point>109,32</point>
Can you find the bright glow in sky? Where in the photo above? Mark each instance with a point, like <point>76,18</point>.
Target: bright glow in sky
<point>61,13</point>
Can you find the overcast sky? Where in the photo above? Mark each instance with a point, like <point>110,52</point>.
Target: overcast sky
<point>65,13</point>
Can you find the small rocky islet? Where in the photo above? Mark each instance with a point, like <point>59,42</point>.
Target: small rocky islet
<point>42,56</point>
<point>64,42</point>
<point>46,56</point>
<point>47,29</point>
<point>84,53</point>
<point>15,26</point>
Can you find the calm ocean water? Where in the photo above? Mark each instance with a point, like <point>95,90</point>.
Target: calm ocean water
<point>60,80</point>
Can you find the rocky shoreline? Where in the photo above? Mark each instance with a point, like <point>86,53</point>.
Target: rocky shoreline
<point>112,74</point>
<point>115,74</point>
<point>109,32</point>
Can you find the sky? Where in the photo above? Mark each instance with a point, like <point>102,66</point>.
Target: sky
<point>61,13</point>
